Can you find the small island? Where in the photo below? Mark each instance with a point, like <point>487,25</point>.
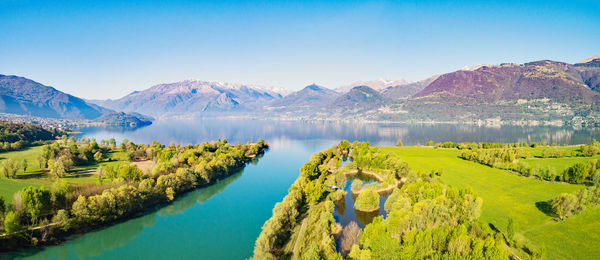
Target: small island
<point>367,201</point>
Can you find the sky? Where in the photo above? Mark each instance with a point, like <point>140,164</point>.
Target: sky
<point>107,49</point>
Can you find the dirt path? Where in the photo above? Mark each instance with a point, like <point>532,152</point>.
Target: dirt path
<point>299,238</point>
<point>143,165</point>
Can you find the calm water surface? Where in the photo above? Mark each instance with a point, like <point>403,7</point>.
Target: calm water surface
<point>222,221</point>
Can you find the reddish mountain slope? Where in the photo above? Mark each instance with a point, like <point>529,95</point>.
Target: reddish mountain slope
<point>557,81</point>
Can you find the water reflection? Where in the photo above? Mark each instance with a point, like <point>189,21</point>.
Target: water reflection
<point>283,132</point>
<point>344,209</point>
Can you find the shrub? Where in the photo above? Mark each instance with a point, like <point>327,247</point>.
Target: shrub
<point>564,205</point>
<point>12,222</point>
<point>367,200</point>
<point>396,201</point>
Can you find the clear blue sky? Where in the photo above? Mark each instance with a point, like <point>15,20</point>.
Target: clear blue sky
<point>106,49</point>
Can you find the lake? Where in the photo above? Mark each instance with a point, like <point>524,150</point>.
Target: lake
<point>223,220</point>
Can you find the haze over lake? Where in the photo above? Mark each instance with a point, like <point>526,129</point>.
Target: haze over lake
<point>222,221</point>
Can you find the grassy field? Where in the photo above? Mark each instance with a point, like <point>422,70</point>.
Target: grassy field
<point>9,187</point>
<point>507,195</point>
<point>559,164</point>
<point>35,176</point>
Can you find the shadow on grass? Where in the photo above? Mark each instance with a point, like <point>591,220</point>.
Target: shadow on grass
<point>79,175</point>
<point>32,175</point>
<point>546,208</point>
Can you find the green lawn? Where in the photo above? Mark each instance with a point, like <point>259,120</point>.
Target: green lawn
<point>577,237</point>
<point>506,195</point>
<point>9,187</point>
<point>30,154</point>
<point>37,177</point>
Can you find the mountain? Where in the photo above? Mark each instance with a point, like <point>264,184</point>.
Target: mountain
<point>360,98</point>
<point>23,96</point>
<point>407,90</point>
<point>557,81</point>
<point>378,84</point>
<point>123,119</point>
<point>593,61</point>
<point>193,96</point>
<point>309,98</point>
<point>589,59</point>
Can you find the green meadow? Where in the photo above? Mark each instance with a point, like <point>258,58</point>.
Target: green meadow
<point>507,194</point>
<point>35,176</point>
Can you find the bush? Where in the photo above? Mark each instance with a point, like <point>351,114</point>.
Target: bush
<point>367,200</point>
<point>396,201</point>
<point>576,173</point>
<point>564,205</point>
<point>12,222</point>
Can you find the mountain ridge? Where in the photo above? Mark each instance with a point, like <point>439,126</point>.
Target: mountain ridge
<point>19,95</point>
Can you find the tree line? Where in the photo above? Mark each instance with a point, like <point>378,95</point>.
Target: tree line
<point>509,159</point>
<point>16,136</point>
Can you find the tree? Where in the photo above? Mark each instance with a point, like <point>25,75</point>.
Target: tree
<point>349,237</point>
<point>2,205</point>
<point>98,156</point>
<point>62,218</point>
<point>8,168</point>
<point>311,170</point>
<point>576,173</point>
<point>60,189</point>
<point>36,201</point>
<point>57,168</point>
<point>429,143</point>
<point>367,200</point>
<point>313,252</point>
<point>100,173</point>
<point>396,201</point>
<point>112,142</point>
<point>510,230</point>
<point>314,191</point>
<point>12,222</point>
<point>47,154</point>
<point>41,162</point>
<point>170,193</point>
<point>399,143</point>
<point>24,165</point>
<point>564,205</point>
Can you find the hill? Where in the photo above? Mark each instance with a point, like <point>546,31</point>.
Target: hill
<point>360,98</point>
<point>123,119</point>
<point>23,96</point>
<point>13,132</point>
